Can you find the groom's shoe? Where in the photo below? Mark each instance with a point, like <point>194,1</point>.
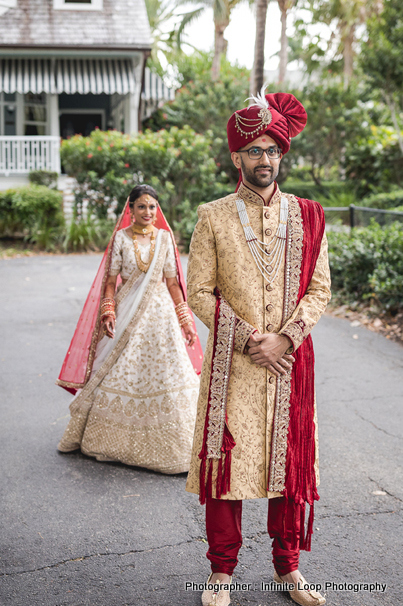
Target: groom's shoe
<point>304,597</point>
<point>211,597</point>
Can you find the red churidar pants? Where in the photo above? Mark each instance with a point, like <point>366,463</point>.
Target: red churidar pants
<point>224,534</point>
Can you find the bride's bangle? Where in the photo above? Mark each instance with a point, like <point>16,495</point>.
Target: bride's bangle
<point>107,308</point>
<point>182,312</point>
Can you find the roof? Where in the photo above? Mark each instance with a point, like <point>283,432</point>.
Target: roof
<point>122,24</point>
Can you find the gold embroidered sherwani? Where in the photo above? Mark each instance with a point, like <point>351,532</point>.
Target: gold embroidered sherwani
<point>220,257</point>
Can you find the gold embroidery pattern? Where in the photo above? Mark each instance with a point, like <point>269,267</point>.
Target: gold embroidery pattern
<point>248,195</point>
<point>243,331</point>
<point>143,411</point>
<point>295,333</point>
<point>283,393</point>
<point>280,434</point>
<point>219,380</point>
<point>111,359</point>
<point>295,239</point>
<point>95,334</point>
<point>154,394</point>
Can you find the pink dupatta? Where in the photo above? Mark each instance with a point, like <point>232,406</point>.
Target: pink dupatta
<point>77,366</point>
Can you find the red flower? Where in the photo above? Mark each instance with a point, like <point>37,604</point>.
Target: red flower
<point>90,155</point>
<point>99,148</point>
<point>127,165</point>
<point>125,181</point>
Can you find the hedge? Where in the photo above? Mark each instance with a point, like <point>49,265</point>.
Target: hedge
<point>384,200</point>
<point>35,211</point>
<point>322,193</point>
<point>367,263</point>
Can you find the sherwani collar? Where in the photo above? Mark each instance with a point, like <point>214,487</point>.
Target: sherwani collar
<point>248,195</point>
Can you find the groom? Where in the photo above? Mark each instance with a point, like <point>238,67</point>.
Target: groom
<point>258,277</point>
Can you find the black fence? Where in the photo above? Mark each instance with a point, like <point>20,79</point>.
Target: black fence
<point>360,216</point>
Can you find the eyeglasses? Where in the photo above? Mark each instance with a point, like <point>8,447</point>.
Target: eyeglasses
<point>255,153</point>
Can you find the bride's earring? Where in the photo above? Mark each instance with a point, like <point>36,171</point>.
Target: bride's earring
<point>133,219</point>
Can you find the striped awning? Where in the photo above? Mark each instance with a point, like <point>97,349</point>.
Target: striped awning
<point>155,89</point>
<point>67,76</point>
<point>26,76</point>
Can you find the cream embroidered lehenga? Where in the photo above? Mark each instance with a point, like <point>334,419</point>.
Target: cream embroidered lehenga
<point>139,405</point>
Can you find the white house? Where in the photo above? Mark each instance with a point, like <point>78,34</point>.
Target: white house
<point>66,67</point>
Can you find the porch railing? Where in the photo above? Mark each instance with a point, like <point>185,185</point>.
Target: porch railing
<point>20,155</point>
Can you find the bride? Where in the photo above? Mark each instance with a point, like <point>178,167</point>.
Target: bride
<point>135,379</point>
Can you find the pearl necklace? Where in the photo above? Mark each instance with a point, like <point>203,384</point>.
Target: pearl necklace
<point>267,256</point>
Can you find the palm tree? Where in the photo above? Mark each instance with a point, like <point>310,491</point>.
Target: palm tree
<point>257,76</point>
<point>285,6</point>
<point>348,15</point>
<point>222,14</point>
<point>167,43</point>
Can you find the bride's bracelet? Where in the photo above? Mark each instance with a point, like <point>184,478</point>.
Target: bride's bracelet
<point>182,312</point>
<point>107,308</point>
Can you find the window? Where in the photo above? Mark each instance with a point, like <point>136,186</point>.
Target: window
<point>8,114</point>
<point>78,5</point>
<point>35,114</point>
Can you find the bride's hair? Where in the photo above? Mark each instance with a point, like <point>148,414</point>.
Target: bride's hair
<point>139,190</point>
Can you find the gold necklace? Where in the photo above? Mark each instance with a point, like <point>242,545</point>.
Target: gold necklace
<point>140,263</point>
<point>138,229</point>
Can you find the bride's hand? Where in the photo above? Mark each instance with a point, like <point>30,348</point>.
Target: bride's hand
<point>109,325</point>
<point>190,333</point>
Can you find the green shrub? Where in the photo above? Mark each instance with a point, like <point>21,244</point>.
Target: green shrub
<point>367,263</point>
<point>384,200</point>
<point>374,162</point>
<point>85,234</point>
<point>34,211</point>
<point>321,193</point>
<point>178,162</point>
<point>206,105</point>
<point>47,178</point>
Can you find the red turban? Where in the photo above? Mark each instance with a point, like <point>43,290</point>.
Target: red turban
<point>279,115</point>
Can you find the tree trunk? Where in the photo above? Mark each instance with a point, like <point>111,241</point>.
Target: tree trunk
<point>220,46</point>
<point>257,75</point>
<point>282,69</point>
<point>348,55</point>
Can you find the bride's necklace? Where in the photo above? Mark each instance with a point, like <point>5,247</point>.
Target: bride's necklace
<point>267,256</point>
<point>149,229</point>
<point>143,230</point>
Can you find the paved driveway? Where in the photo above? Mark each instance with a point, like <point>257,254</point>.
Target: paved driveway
<point>81,533</point>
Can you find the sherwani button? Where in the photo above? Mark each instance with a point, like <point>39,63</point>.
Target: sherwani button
<point>267,231</point>
<point>269,327</point>
<point>266,214</point>
<point>269,287</point>
<point>271,380</point>
<point>269,307</point>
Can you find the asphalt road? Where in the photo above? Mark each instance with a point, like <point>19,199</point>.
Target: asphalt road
<point>76,532</point>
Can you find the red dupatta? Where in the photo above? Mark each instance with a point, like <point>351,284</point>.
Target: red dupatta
<point>77,366</point>
<point>300,477</point>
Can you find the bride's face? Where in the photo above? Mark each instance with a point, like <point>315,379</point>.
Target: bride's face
<point>145,209</point>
